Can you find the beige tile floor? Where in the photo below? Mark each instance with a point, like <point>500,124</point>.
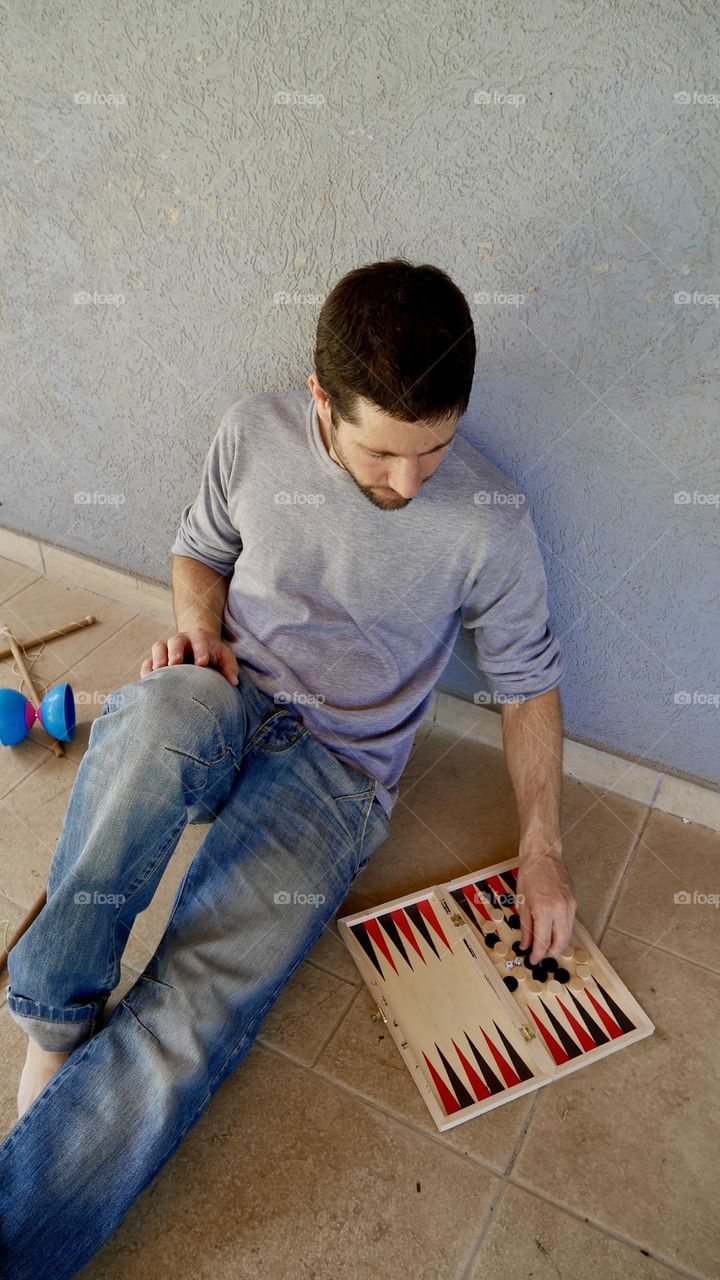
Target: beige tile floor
<point>317,1158</point>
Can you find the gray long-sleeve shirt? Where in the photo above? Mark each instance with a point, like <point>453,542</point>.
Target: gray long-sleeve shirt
<point>346,613</point>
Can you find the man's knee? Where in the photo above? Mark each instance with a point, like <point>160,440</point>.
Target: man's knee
<point>183,681</point>
<point>180,694</point>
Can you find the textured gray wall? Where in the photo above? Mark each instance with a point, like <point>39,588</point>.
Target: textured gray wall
<point>226,153</point>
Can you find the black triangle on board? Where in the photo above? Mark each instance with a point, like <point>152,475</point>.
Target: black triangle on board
<point>595,1030</point>
<point>508,903</point>
<point>463,903</point>
<point>620,1017</point>
<point>571,1048</point>
<point>509,878</point>
<point>491,1080</point>
<point>520,1066</point>
<point>393,932</point>
<point>462,1093</point>
<point>413,911</point>
<point>359,931</point>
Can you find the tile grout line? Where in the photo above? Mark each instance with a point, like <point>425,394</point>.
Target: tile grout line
<point>6,599</point>
<point>113,635</point>
<point>34,768</point>
<point>338,1022</point>
<point>476,1249</point>
<point>580,1216</point>
<point>520,1140</point>
<point>675,955</point>
<point>13,902</point>
<point>432,1135</point>
<point>623,876</point>
<point>656,788</point>
<point>331,973</point>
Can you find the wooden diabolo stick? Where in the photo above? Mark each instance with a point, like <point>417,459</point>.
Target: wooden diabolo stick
<point>51,635</point>
<point>57,747</point>
<point>34,911</point>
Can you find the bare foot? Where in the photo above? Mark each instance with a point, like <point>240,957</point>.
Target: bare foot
<point>40,1066</point>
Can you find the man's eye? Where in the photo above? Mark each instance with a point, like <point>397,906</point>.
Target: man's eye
<point>376,455</point>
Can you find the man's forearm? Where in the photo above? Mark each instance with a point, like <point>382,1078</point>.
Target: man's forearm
<point>199,595</point>
<point>532,742</point>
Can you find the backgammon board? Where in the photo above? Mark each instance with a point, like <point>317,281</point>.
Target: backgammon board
<point>475,1022</point>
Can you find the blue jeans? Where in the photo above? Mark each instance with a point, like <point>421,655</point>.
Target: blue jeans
<point>291,825</point>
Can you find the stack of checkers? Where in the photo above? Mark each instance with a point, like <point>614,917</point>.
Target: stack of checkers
<point>513,961</point>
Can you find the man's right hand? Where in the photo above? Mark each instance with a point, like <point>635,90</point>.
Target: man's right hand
<point>198,646</point>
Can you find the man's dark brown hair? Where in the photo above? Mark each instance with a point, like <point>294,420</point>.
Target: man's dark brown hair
<point>400,336</point>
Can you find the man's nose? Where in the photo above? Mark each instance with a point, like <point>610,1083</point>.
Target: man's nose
<point>405,479</point>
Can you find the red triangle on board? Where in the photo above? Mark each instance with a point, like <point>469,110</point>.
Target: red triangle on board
<point>509,1076</point>
<point>403,924</point>
<point>447,1097</point>
<point>553,1045</point>
<point>479,1087</point>
<point>424,906</point>
<point>373,929</point>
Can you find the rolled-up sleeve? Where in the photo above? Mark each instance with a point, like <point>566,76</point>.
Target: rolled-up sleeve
<point>206,531</point>
<point>506,610</point>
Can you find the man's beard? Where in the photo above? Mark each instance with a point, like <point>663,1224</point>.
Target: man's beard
<point>385,501</point>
